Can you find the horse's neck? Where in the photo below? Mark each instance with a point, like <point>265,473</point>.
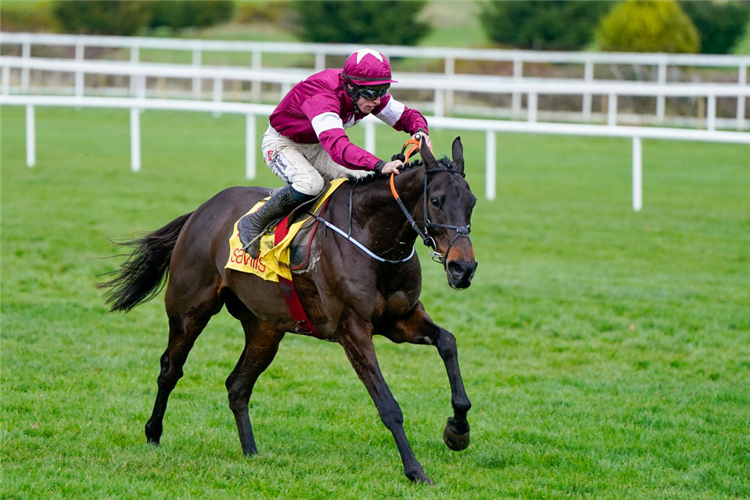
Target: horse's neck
<point>378,214</point>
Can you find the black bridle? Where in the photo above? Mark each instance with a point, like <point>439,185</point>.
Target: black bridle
<point>427,238</point>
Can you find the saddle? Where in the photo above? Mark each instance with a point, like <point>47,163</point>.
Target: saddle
<point>285,247</point>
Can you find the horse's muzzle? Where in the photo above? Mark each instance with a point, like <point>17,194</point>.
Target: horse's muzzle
<point>460,273</point>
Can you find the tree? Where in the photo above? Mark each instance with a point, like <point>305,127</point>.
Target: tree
<point>648,26</point>
<point>365,22</point>
<point>720,24</point>
<point>101,17</point>
<point>543,25</point>
<point>180,14</point>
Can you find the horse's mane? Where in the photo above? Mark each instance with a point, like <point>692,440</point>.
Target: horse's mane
<point>372,179</point>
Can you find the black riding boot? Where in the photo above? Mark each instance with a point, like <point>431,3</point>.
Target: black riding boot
<point>252,225</point>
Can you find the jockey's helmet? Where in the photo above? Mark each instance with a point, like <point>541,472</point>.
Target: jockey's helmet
<point>366,67</point>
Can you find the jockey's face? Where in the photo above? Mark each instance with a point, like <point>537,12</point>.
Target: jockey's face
<point>366,105</point>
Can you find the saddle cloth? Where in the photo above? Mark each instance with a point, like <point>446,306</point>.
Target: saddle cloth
<point>276,257</point>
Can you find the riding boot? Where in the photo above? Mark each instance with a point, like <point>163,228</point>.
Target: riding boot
<point>252,225</point>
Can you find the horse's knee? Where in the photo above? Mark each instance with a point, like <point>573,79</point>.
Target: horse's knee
<point>446,344</point>
<point>238,399</point>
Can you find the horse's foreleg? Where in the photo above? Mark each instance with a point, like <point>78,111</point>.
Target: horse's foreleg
<point>183,330</point>
<point>261,346</point>
<point>355,335</point>
<point>418,328</point>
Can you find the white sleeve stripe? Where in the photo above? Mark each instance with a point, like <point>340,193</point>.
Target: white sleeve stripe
<point>392,112</point>
<point>326,121</point>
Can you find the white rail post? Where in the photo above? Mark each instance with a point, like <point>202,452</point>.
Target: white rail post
<point>439,104</point>
<point>250,146</point>
<point>588,77</point>
<point>489,169</point>
<point>637,174</point>
<point>320,61</point>
<point>196,80</point>
<point>711,113</point>
<point>741,100</point>
<point>285,88</point>
<point>612,110</point>
<point>660,99</point>
<point>218,88</point>
<point>517,75</point>
<point>79,73</point>
<point>450,70</point>
<point>134,58</point>
<point>26,55</point>
<point>6,80</point>
<point>135,139</point>
<point>531,104</point>
<point>30,136</point>
<point>370,136</point>
<point>255,86</point>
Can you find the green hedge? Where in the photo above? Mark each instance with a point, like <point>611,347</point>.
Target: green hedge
<point>648,26</point>
<point>721,25</point>
<point>366,22</point>
<point>543,25</point>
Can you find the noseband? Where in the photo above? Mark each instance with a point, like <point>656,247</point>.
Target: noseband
<point>427,239</point>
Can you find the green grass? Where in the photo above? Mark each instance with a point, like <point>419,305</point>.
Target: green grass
<point>606,352</point>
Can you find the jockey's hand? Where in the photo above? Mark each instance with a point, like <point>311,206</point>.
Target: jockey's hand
<point>392,167</point>
<point>422,136</point>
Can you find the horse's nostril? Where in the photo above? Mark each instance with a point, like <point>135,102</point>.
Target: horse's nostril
<point>457,269</point>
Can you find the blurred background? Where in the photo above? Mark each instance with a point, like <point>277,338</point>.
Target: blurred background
<point>703,27</point>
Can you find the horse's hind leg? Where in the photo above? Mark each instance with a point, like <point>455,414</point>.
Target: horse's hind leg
<point>418,328</point>
<point>261,346</point>
<point>187,319</point>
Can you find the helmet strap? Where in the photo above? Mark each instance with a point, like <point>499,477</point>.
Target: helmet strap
<point>353,92</point>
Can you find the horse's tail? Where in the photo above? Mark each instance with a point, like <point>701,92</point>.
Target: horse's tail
<point>142,276</point>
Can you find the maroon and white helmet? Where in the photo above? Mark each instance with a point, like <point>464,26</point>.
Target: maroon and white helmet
<point>367,67</point>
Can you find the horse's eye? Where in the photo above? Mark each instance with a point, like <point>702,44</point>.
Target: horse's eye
<point>436,202</point>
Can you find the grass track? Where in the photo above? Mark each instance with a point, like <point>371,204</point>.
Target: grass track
<point>607,353</point>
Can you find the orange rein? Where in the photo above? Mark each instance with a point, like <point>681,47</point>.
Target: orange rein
<point>410,147</point>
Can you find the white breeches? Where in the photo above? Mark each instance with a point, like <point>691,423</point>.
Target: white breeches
<point>305,166</point>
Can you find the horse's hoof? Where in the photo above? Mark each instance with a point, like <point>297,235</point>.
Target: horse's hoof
<point>454,440</point>
<point>419,477</point>
<point>153,433</point>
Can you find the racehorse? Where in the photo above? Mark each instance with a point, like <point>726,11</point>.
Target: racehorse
<point>349,294</point>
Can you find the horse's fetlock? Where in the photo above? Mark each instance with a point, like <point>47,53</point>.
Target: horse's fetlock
<point>462,406</point>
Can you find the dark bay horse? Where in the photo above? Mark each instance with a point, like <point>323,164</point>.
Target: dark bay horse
<point>348,295</point>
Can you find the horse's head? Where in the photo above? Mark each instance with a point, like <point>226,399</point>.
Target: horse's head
<point>448,203</point>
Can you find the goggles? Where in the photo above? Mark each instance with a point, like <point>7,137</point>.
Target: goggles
<point>372,93</point>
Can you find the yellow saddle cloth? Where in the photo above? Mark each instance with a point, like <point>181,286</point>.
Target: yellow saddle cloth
<point>274,259</point>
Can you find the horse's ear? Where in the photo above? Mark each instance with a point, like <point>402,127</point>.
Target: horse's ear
<point>458,154</point>
<point>427,156</point>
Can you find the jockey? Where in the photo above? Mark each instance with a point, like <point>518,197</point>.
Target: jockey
<point>306,143</point>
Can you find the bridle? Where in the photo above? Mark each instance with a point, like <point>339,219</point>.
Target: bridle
<point>461,231</point>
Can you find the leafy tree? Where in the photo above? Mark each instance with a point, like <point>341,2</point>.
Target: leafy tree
<point>543,25</point>
<point>101,17</point>
<point>180,14</point>
<point>365,22</point>
<point>720,24</point>
<point>648,26</point>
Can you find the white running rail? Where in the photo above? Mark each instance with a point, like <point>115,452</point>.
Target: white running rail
<point>255,50</point>
<point>489,127</point>
<point>532,88</point>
